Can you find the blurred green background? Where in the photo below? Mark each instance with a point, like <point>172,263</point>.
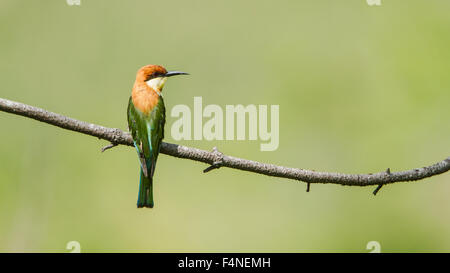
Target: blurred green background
<point>360,89</point>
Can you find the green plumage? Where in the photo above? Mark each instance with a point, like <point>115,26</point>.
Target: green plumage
<point>147,132</point>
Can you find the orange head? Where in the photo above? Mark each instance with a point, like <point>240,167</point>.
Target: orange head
<point>155,76</point>
<point>147,88</point>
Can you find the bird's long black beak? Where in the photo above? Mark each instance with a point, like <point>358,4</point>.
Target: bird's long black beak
<point>174,73</point>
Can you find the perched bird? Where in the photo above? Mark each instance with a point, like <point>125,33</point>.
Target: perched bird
<point>146,119</point>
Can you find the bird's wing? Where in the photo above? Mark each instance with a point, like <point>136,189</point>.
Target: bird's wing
<point>147,132</point>
<point>156,122</point>
<point>138,129</point>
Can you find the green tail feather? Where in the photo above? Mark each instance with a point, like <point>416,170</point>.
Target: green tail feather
<point>145,198</point>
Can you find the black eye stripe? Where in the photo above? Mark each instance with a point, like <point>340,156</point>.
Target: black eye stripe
<point>154,75</point>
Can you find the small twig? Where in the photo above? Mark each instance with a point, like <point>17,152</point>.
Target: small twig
<point>377,189</point>
<point>308,186</point>
<point>112,145</point>
<point>218,161</point>
<point>388,172</point>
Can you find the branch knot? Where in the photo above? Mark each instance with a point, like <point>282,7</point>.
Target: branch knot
<point>116,135</point>
<point>217,160</point>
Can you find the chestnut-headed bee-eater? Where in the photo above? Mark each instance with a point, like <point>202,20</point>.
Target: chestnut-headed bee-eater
<point>146,119</point>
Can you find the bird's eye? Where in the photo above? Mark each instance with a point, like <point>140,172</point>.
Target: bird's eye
<point>149,77</point>
<point>153,75</point>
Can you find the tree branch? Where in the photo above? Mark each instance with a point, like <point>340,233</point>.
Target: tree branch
<point>216,159</point>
